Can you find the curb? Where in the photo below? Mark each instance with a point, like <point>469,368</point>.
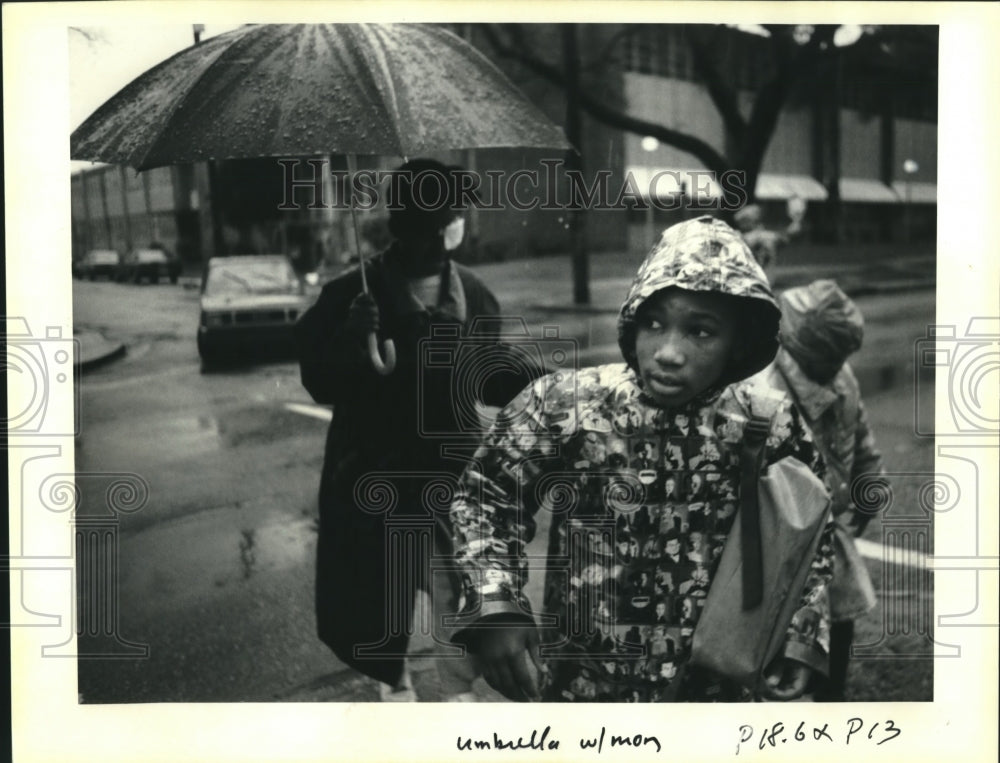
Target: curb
<point>95,350</point>
<point>889,287</point>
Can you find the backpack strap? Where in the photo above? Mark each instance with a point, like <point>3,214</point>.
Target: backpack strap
<point>752,454</point>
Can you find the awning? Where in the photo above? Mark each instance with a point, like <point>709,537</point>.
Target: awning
<point>666,182</point>
<point>920,192</point>
<point>772,186</point>
<point>867,190</point>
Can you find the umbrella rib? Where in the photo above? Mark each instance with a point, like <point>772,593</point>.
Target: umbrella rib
<point>391,103</point>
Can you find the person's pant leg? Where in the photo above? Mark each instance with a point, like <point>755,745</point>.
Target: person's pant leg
<point>834,688</point>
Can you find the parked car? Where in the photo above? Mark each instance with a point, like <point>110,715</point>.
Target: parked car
<point>98,263</point>
<point>249,304</point>
<point>151,264</point>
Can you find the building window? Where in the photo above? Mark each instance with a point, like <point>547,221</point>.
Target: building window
<point>660,50</point>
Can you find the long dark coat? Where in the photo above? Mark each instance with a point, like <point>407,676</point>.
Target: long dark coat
<point>386,439</point>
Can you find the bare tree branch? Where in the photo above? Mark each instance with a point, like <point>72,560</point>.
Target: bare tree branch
<point>519,52</point>
<point>605,55</point>
<point>723,95</point>
<point>792,62</point>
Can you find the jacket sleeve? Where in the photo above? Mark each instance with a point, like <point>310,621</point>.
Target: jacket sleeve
<point>808,636</point>
<point>867,457</point>
<point>332,361</point>
<point>493,513</point>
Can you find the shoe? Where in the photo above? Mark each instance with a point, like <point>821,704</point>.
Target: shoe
<point>402,692</point>
<point>467,696</point>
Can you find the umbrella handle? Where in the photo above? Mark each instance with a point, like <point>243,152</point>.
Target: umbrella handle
<point>387,366</point>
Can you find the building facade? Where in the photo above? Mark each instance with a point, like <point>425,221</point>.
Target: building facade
<point>856,141</point>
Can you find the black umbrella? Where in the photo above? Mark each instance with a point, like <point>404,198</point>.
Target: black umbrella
<point>303,89</point>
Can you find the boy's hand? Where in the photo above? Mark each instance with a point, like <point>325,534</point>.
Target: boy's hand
<point>363,318</point>
<point>503,657</point>
<point>786,679</point>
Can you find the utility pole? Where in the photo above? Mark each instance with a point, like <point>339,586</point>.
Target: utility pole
<point>471,164</point>
<point>574,162</point>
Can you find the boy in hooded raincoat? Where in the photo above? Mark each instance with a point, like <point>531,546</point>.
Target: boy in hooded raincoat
<point>820,328</point>
<point>634,543</point>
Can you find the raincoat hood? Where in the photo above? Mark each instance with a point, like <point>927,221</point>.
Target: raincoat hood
<point>819,323</point>
<point>706,255</point>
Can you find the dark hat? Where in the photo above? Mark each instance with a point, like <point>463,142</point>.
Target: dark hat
<point>423,197</point>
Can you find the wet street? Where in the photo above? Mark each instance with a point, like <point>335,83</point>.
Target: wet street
<point>215,570</point>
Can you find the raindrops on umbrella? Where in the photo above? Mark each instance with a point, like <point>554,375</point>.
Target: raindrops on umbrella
<point>394,90</point>
<point>408,90</point>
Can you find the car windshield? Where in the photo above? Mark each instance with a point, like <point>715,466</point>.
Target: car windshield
<point>150,255</point>
<point>262,277</point>
<point>103,258</point>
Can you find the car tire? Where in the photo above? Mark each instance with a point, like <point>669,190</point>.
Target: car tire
<point>208,358</point>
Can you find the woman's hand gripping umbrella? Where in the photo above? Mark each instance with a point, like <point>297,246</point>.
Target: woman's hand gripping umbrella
<point>386,366</point>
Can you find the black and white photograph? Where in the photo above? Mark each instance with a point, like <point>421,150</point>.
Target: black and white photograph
<point>392,359</point>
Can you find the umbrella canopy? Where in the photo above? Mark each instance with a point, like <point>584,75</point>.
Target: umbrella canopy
<point>303,89</point>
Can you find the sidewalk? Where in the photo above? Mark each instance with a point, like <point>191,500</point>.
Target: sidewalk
<point>546,283</point>
<point>92,348</point>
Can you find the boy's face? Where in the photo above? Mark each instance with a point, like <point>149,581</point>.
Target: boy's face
<point>684,342</point>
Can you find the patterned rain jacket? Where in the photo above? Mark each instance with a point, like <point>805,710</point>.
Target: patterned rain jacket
<point>640,500</point>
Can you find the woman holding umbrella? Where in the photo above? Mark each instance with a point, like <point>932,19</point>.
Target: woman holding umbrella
<point>294,90</point>
<point>415,292</point>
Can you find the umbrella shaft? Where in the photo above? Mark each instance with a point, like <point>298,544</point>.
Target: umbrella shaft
<point>357,244</point>
<point>352,168</point>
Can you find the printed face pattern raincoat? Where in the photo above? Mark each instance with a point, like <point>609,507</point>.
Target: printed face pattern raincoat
<point>641,498</point>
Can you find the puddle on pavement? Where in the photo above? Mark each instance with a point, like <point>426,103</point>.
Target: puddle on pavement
<point>166,438</point>
<point>160,437</point>
<point>261,424</point>
<point>213,553</point>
